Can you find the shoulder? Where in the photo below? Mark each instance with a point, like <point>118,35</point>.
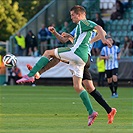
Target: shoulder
<point>105,47</point>
<point>115,46</point>
<point>87,22</point>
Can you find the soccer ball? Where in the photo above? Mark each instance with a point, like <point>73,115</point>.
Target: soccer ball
<point>9,60</point>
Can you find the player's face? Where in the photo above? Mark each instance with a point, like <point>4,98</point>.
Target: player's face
<point>111,40</point>
<point>74,17</point>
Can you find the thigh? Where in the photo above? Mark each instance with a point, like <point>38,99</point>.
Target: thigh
<point>52,63</point>
<point>115,71</point>
<point>86,74</point>
<point>76,64</point>
<point>109,76</point>
<point>109,73</point>
<point>64,53</point>
<point>49,53</point>
<point>115,74</point>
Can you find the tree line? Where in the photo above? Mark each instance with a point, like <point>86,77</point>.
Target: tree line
<point>15,13</point>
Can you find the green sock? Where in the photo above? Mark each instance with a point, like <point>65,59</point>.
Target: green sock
<point>86,100</point>
<point>38,66</point>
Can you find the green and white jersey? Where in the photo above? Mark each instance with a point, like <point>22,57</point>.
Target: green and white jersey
<point>82,38</point>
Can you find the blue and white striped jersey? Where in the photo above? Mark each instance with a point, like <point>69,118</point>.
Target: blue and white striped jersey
<point>112,52</point>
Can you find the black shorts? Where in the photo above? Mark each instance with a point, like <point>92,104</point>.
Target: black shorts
<point>86,74</point>
<point>112,72</point>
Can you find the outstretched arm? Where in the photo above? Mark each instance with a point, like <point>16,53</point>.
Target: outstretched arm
<point>64,37</point>
<point>97,37</point>
<point>119,56</point>
<point>68,36</point>
<point>61,38</point>
<point>101,33</point>
<point>104,57</point>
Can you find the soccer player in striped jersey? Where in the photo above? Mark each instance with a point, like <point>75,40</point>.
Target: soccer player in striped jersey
<point>77,56</point>
<point>111,55</point>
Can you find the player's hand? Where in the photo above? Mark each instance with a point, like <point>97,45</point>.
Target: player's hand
<point>118,58</point>
<point>64,34</point>
<point>107,57</point>
<point>68,36</point>
<point>107,42</point>
<point>51,29</point>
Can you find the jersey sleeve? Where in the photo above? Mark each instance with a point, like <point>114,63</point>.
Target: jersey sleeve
<point>118,50</point>
<point>102,52</point>
<point>73,32</point>
<point>87,25</point>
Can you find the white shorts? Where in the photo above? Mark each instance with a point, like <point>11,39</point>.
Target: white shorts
<point>76,64</point>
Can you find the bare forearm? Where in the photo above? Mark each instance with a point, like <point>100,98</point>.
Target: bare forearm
<point>59,37</point>
<point>71,38</point>
<point>101,32</point>
<point>119,56</point>
<point>96,38</point>
<point>104,57</point>
<point>68,36</point>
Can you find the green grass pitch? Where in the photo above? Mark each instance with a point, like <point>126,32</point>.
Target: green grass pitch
<point>56,109</point>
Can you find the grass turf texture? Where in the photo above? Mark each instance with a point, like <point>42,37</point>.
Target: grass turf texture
<point>45,109</point>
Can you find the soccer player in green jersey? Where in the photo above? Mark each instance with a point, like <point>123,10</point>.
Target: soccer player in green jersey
<point>87,79</point>
<point>77,56</point>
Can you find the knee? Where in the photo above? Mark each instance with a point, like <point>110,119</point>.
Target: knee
<point>46,53</point>
<point>90,89</point>
<point>89,86</point>
<point>78,88</point>
<point>115,78</point>
<point>109,80</point>
<point>75,87</point>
